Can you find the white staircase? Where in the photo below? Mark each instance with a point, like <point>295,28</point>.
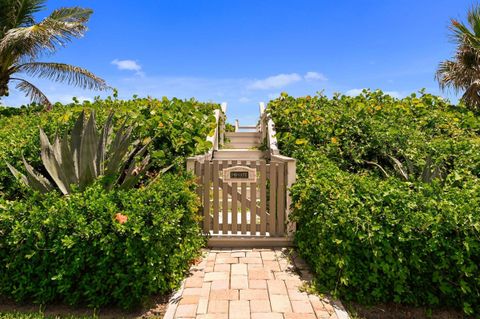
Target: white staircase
<point>240,146</point>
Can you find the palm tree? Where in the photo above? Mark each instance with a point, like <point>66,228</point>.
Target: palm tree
<point>463,72</point>
<point>23,41</point>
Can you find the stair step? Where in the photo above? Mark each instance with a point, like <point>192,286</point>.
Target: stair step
<point>238,154</point>
<point>242,134</point>
<point>240,145</point>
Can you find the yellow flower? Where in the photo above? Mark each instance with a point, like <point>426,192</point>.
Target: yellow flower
<point>334,140</point>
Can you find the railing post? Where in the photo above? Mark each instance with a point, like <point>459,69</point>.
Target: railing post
<point>291,178</point>
<point>237,125</point>
<point>191,164</point>
<point>223,118</point>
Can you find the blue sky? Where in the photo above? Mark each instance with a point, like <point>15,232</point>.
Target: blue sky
<point>246,51</point>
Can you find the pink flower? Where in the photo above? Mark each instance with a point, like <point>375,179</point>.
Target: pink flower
<point>122,219</point>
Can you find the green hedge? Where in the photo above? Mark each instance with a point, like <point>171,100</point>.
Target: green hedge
<point>372,238</point>
<point>178,128</point>
<point>74,249</point>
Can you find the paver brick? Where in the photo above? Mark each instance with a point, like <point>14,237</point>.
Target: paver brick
<point>257,284</point>
<point>229,260</point>
<point>219,284</point>
<point>239,282</point>
<point>221,268</point>
<point>276,287</point>
<point>280,303</point>
<point>224,294</point>
<point>268,255</point>
<point>194,282</point>
<point>253,294</point>
<point>250,260</point>
<point>202,307</point>
<point>260,306</point>
<point>186,311</point>
<point>267,315</point>
<point>217,306</point>
<point>254,254</point>
<point>238,254</point>
<point>295,294</point>
<point>255,274</point>
<point>293,315</point>
<point>239,269</point>
<point>239,309</point>
<point>213,316</point>
<point>302,306</point>
<point>216,275</point>
<point>192,291</point>
<point>189,300</point>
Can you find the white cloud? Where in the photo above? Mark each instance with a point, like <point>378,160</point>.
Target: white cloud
<point>275,81</point>
<point>273,96</point>
<point>244,99</point>
<point>315,76</point>
<point>129,65</point>
<point>355,92</point>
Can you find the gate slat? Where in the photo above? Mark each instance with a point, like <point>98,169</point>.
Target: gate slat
<point>281,199</point>
<point>206,197</point>
<point>216,197</point>
<point>263,197</point>
<point>244,205</point>
<point>253,206</point>
<point>272,209</point>
<point>234,205</point>
<point>198,173</point>
<point>224,202</point>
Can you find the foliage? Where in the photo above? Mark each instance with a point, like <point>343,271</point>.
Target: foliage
<point>461,73</point>
<point>81,159</point>
<point>99,247</point>
<point>23,40</point>
<point>380,236</point>
<point>177,129</point>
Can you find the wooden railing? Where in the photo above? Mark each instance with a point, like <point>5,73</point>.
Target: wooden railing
<point>217,139</point>
<point>267,129</point>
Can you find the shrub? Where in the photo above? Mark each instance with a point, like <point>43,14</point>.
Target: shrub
<point>371,238</point>
<point>178,128</point>
<point>99,247</point>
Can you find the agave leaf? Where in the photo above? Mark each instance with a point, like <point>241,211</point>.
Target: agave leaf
<point>118,150</point>
<point>51,164</point>
<point>162,171</point>
<point>76,141</point>
<point>36,180</point>
<point>135,172</point>
<point>427,171</point>
<point>384,172</point>
<point>88,153</point>
<point>103,144</point>
<point>411,169</point>
<point>67,160</point>
<point>399,168</point>
<point>17,174</point>
<point>437,173</point>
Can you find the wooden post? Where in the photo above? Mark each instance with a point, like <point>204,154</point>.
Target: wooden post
<point>237,125</point>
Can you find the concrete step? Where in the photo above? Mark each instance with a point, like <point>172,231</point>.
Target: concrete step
<point>238,154</point>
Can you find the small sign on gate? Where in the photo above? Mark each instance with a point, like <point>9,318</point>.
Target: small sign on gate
<point>239,174</point>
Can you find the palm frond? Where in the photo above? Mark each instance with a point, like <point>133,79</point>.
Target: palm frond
<point>56,30</point>
<point>17,13</point>
<point>64,73</point>
<point>32,92</point>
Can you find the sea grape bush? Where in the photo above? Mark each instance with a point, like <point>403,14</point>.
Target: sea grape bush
<point>374,237</point>
<point>177,128</point>
<point>99,247</point>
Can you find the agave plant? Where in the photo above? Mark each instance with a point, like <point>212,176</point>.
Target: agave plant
<point>429,172</point>
<point>84,156</point>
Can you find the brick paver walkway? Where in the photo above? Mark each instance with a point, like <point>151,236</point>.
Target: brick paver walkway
<point>249,283</point>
